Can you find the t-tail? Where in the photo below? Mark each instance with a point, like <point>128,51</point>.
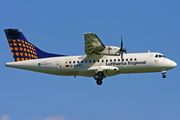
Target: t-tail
<point>22,49</point>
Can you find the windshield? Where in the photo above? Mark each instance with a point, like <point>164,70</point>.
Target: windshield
<point>160,56</point>
<point>163,56</point>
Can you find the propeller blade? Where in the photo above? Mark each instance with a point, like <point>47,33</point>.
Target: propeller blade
<point>121,47</point>
<point>121,55</point>
<point>121,50</point>
<point>121,43</point>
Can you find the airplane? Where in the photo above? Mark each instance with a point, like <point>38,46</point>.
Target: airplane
<point>99,62</point>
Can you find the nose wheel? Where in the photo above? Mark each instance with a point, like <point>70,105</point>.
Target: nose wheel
<point>164,76</point>
<point>99,77</point>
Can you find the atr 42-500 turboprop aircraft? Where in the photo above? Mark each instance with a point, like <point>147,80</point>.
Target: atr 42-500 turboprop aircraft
<point>99,62</point>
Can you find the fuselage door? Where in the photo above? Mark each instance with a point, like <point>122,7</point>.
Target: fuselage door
<point>58,65</point>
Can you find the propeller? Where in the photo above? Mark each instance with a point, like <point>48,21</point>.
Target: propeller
<point>122,49</point>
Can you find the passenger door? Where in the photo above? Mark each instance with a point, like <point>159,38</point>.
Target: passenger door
<point>58,66</point>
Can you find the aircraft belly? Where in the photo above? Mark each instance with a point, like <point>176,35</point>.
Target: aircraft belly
<point>67,73</point>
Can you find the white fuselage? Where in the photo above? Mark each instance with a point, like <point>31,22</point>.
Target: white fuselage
<point>88,66</point>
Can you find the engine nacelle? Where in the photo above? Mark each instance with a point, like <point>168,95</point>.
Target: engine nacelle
<point>110,50</point>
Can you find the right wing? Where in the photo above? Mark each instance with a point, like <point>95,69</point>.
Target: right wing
<point>92,44</point>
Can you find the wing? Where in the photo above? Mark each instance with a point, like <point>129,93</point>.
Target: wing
<point>92,44</point>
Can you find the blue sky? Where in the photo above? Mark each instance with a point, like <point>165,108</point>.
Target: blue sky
<point>58,27</point>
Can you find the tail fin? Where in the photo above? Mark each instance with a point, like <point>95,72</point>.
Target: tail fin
<point>22,49</point>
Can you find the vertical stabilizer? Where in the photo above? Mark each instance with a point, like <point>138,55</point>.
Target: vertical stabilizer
<point>22,49</point>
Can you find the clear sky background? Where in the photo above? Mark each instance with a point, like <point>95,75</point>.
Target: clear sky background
<point>58,26</point>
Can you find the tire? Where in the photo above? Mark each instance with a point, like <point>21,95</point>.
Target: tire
<point>164,76</point>
<point>99,82</point>
<point>96,76</point>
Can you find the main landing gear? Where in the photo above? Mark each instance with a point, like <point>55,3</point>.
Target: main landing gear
<point>99,77</point>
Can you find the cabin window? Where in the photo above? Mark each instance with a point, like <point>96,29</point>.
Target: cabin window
<point>106,60</point>
<point>77,61</point>
<point>94,61</point>
<point>81,61</point>
<point>89,61</point>
<point>156,56</point>
<point>122,59</point>
<point>110,60</point>
<point>74,62</point>
<point>135,59</point>
<point>85,61</point>
<point>69,62</point>
<point>118,59</point>
<point>102,60</point>
<point>126,59</point>
<point>97,60</point>
<point>130,59</point>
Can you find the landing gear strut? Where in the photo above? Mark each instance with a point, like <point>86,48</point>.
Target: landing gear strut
<point>99,77</point>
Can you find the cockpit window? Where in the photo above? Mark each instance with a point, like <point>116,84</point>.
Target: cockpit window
<point>163,56</point>
<point>160,56</point>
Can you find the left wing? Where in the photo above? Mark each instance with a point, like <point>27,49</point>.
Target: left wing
<point>92,44</point>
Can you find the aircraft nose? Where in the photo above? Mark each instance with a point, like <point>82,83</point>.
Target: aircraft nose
<point>173,64</point>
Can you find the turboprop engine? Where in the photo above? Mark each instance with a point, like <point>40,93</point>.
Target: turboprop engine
<point>111,50</point>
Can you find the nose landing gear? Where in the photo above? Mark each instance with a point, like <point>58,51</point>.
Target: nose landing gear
<point>163,74</point>
<point>99,77</point>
